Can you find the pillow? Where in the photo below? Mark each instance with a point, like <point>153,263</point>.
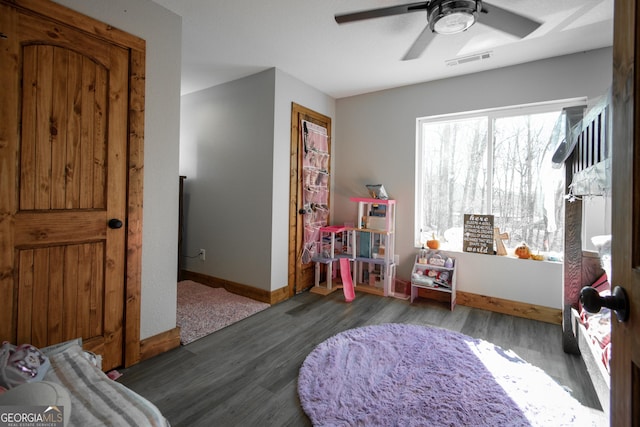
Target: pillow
<point>43,393</point>
<point>21,364</point>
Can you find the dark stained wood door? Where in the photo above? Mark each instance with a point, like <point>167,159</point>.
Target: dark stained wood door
<point>301,271</point>
<point>64,178</point>
<point>625,352</point>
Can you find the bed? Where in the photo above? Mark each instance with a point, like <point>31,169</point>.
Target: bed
<point>592,332</point>
<point>93,397</point>
<point>586,154</point>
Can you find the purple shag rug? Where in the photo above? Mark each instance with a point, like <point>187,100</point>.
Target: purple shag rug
<point>410,375</point>
<point>203,310</point>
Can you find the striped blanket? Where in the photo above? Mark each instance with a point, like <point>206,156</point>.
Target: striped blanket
<point>97,400</point>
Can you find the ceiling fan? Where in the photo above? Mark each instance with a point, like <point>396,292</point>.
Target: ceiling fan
<point>449,17</point>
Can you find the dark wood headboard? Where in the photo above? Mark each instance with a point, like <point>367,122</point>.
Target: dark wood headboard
<point>592,138</point>
<point>589,138</point>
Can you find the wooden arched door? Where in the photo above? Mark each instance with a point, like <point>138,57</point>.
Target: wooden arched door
<point>64,155</point>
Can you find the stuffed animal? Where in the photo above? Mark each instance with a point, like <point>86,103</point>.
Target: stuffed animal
<point>21,364</point>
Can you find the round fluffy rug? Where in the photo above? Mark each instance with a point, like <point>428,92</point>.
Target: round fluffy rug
<point>410,375</point>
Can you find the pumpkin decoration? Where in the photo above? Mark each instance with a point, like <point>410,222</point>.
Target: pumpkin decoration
<point>523,251</point>
<point>433,243</point>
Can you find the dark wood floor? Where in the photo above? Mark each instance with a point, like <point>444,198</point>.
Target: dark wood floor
<point>246,374</point>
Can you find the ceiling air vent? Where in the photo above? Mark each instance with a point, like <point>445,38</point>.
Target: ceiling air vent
<point>470,58</point>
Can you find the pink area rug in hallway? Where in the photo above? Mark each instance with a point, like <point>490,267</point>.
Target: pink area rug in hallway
<point>203,310</point>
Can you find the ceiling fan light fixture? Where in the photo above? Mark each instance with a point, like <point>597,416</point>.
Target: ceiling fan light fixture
<point>453,23</point>
<point>453,16</point>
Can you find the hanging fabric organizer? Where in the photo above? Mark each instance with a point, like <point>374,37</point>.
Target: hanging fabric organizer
<point>315,193</point>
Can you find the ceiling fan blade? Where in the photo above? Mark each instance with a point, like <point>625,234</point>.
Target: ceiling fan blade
<point>509,22</point>
<point>378,13</point>
<point>420,44</point>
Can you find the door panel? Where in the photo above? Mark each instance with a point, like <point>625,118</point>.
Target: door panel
<point>625,351</point>
<point>62,149</point>
<point>68,267</point>
<point>59,293</point>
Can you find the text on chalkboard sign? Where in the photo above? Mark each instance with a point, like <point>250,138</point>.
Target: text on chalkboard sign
<point>478,234</point>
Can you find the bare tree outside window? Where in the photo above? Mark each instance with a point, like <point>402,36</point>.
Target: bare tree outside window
<point>526,187</point>
<point>455,173</point>
<point>497,163</point>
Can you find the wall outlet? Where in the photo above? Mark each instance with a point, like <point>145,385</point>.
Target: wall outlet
<point>202,254</point>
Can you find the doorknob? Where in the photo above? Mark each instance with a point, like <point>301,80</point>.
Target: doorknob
<point>115,223</point>
<point>617,301</point>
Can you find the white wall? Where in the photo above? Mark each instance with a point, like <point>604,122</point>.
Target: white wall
<point>228,129</point>
<point>376,139</point>
<point>162,31</point>
<point>235,152</point>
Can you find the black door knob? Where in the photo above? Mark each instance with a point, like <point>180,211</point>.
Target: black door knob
<point>115,223</point>
<point>617,301</point>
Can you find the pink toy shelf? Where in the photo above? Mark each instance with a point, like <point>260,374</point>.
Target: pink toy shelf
<point>335,243</point>
<point>369,248</point>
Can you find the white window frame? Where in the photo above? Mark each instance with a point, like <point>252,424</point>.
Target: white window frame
<point>491,115</point>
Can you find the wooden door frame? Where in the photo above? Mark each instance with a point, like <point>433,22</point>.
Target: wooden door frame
<point>135,150</point>
<point>299,113</point>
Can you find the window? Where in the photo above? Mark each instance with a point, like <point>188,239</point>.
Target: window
<point>494,162</point>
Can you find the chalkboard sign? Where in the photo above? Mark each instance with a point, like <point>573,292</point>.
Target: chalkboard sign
<point>478,234</point>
